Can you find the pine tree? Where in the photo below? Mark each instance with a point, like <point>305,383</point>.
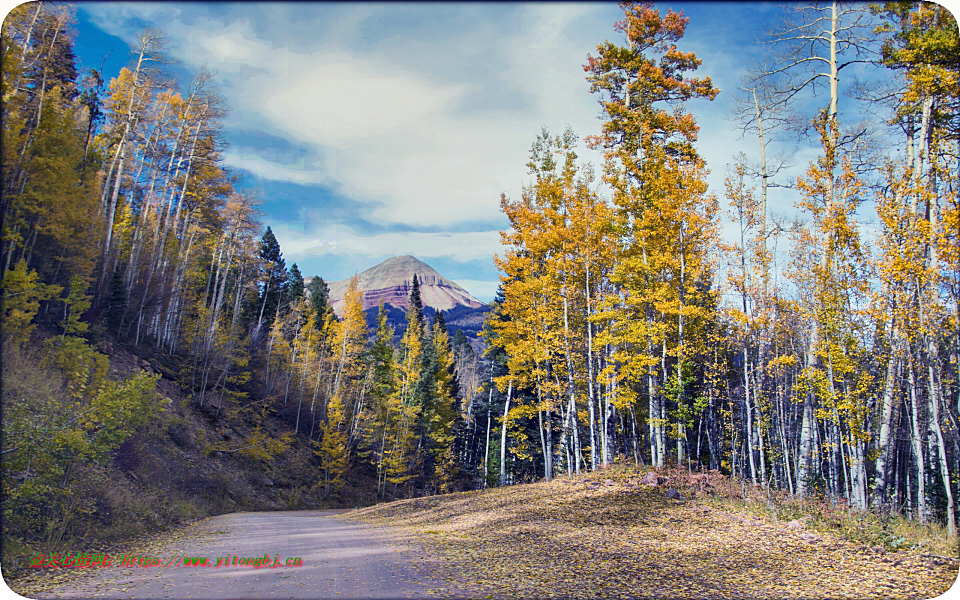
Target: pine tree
<point>416,304</point>
<point>295,286</point>
<point>319,295</point>
<point>116,301</point>
<point>273,278</point>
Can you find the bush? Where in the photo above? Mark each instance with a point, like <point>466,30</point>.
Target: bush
<point>63,420</point>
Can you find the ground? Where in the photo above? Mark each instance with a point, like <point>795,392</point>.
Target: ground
<point>606,535</point>
<point>602,535</point>
<point>338,558</point>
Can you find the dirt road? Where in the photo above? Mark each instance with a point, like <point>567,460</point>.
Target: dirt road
<point>340,559</point>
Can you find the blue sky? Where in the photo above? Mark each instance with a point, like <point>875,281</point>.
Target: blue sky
<point>375,130</point>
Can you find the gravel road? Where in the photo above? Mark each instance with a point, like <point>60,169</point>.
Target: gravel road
<point>340,559</point>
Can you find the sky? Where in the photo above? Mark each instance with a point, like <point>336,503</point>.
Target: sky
<point>374,130</point>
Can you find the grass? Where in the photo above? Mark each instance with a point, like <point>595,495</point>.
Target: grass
<point>886,530</point>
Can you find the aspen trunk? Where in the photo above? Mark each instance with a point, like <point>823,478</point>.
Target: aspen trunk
<point>571,420</point>
<point>486,452</point>
<point>590,379</point>
<point>749,407</point>
<point>503,437</point>
<point>917,442</point>
<point>886,420</point>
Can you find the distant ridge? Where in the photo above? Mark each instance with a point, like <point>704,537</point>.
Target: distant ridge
<point>391,281</point>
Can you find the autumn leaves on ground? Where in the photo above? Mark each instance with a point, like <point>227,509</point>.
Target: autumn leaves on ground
<point>610,535</point>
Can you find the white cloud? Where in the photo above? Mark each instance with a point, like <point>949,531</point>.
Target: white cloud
<point>339,239</point>
<point>243,158</point>
<point>392,132</point>
<point>422,128</point>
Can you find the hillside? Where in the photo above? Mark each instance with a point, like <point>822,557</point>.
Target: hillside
<point>608,535</point>
<point>391,281</point>
<point>183,465</point>
<point>463,318</point>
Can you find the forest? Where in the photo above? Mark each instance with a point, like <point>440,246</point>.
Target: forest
<point>627,329</point>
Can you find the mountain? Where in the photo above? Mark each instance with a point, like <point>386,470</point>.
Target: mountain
<point>391,282</point>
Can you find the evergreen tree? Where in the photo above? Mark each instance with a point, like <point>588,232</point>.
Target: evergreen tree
<point>116,301</point>
<point>294,286</point>
<point>319,295</point>
<point>384,403</point>
<point>273,278</point>
<point>416,304</point>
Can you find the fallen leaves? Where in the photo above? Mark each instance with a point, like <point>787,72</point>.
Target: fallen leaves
<point>592,536</point>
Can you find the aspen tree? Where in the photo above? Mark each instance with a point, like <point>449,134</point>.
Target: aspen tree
<point>814,47</point>
<point>348,343</point>
<point>127,99</point>
<point>649,162</point>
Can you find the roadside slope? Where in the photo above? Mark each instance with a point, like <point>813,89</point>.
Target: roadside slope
<point>607,535</point>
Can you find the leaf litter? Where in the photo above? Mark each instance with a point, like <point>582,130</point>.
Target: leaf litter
<point>604,535</point>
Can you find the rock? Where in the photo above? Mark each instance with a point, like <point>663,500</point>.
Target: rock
<point>608,482</point>
<point>795,524</point>
<point>809,537</point>
<point>672,493</point>
<point>650,479</point>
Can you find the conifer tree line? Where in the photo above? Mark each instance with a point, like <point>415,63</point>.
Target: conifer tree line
<point>627,329</point>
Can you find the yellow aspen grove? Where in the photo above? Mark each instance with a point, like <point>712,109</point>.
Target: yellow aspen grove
<point>589,232</point>
<point>444,412</point>
<point>754,315</point>
<point>535,297</point>
<point>830,271</point>
<point>348,343</point>
<point>664,218</point>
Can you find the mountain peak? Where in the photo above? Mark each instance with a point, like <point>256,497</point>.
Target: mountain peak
<point>391,281</point>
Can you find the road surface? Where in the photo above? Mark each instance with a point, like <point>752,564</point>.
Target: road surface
<point>341,558</point>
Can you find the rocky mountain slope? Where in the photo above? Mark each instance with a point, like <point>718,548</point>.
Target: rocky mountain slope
<point>391,281</point>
